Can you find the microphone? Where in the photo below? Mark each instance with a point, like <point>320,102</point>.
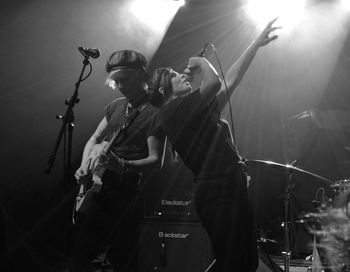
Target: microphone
<point>204,50</point>
<point>89,52</point>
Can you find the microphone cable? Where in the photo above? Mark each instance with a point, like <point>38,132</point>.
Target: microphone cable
<point>86,62</point>
<point>227,96</point>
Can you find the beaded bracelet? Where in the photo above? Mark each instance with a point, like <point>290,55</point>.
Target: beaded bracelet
<point>124,165</point>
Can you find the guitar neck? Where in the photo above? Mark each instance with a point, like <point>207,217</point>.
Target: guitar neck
<point>116,134</point>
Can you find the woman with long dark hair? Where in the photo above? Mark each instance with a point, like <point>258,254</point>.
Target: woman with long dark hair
<point>202,137</point>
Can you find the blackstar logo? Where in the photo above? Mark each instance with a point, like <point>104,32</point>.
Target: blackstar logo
<point>166,202</point>
<point>173,235</point>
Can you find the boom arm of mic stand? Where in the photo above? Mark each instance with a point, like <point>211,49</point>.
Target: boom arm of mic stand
<point>68,118</point>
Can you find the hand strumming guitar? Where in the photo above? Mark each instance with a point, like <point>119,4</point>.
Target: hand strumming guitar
<point>89,164</point>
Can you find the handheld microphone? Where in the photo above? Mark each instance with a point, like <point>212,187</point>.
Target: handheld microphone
<point>89,52</point>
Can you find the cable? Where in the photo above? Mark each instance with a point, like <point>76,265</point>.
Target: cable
<point>86,59</point>
<point>228,97</point>
<point>88,73</point>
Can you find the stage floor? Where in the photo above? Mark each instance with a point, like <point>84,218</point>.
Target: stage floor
<point>296,265</point>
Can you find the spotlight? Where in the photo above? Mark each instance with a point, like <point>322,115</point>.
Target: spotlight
<point>155,13</point>
<point>181,2</point>
<point>345,4</point>
<point>289,12</point>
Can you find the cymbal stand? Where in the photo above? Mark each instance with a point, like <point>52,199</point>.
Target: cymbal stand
<point>287,251</point>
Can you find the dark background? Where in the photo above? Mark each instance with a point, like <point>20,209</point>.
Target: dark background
<point>305,70</point>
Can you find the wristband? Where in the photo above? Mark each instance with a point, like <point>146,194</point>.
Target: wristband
<point>124,165</point>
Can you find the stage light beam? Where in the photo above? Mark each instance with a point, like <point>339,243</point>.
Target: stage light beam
<point>345,4</point>
<point>181,3</point>
<point>155,12</point>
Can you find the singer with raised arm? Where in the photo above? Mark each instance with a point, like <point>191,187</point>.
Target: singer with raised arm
<point>126,144</point>
<point>192,122</point>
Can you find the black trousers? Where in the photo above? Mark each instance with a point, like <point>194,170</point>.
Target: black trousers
<point>223,207</point>
<point>110,221</point>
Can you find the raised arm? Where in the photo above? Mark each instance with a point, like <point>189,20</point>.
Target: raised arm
<point>237,71</point>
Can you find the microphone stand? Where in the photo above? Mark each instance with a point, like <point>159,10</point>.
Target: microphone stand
<point>67,129</point>
<point>66,132</point>
<point>286,251</point>
<point>288,185</point>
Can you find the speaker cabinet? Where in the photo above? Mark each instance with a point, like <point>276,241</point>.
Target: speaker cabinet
<point>173,247</point>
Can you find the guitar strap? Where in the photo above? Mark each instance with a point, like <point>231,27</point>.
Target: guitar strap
<point>130,118</point>
<point>122,128</point>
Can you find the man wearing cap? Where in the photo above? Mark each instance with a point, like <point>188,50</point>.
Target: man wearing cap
<point>136,150</point>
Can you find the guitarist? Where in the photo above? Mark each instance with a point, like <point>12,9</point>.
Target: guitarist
<point>135,150</point>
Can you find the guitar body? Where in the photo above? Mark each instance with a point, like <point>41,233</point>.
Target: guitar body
<point>90,186</point>
<point>87,193</point>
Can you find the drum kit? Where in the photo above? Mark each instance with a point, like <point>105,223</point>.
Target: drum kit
<point>281,195</point>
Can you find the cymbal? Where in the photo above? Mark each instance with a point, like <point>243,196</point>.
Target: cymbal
<point>285,168</point>
<point>267,187</point>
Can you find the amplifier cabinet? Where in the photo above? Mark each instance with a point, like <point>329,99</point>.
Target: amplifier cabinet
<point>170,207</point>
<point>173,247</point>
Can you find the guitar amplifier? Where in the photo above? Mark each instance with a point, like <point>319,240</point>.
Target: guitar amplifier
<point>173,247</point>
<point>170,207</point>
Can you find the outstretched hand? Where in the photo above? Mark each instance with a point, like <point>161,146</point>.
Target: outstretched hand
<point>264,37</point>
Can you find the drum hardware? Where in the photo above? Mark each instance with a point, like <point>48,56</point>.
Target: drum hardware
<point>297,191</point>
<point>341,185</point>
<point>288,186</point>
<point>316,202</point>
<point>263,237</point>
<point>341,189</point>
<point>264,255</point>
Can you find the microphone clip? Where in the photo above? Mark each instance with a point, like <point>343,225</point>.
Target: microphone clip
<point>204,50</point>
<point>89,52</point>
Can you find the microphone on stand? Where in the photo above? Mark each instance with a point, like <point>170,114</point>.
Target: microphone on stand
<point>89,52</point>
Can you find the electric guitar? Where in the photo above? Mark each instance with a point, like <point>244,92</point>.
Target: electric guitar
<point>91,184</point>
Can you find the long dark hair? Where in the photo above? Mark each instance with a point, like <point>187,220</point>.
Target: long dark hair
<point>161,78</point>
